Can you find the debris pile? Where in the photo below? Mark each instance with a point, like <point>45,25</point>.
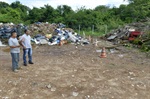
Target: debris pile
<point>130,33</point>
<point>54,34</point>
<point>44,33</point>
<point>41,28</point>
<point>124,32</point>
<point>6,29</point>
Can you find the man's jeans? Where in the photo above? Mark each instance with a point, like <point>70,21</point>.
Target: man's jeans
<point>29,52</point>
<point>15,60</point>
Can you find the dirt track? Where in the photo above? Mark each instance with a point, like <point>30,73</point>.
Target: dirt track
<point>67,72</point>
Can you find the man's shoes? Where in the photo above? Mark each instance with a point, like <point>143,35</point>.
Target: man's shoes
<point>16,70</point>
<point>25,64</point>
<point>31,63</point>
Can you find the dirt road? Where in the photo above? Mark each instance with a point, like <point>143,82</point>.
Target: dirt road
<point>67,72</point>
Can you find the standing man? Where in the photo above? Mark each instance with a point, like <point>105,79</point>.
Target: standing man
<point>14,50</point>
<point>25,41</point>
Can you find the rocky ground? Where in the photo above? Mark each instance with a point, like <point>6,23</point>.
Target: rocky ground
<point>70,72</point>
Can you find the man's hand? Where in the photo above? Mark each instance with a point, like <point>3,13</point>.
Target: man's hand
<point>24,47</point>
<point>18,46</point>
<point>14,46</point>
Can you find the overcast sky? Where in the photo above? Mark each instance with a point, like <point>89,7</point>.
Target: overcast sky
<point>73,3</point>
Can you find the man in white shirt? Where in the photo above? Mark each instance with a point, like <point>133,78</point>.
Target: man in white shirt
<point>14,50</point>
<point>27,48</point>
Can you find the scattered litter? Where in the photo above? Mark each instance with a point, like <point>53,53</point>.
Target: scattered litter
<point>141,86</point>
<point>73,76</point>
<point>105,71</point>
<point>53,88</point>
<point>75,94</point>
<point>132,74</point>
<point>49,86</point>
<point>5,98</point>
<point>121,56</point>
<point>63,95</point>
<point>99,51</point>
<point>87,97</point>
<point>112,51</point>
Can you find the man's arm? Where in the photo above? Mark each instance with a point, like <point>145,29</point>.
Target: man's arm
<point>20,42</point>
<point>11,44</point>
<point>14,46</point>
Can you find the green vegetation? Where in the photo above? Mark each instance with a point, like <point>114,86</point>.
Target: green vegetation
<point>86,18</point>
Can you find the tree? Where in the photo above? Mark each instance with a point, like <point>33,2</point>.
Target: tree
<point>3,5</point>
<point>21,8</point>
<point>49,13</point>
<point>11,16</point>
<point>36,15</point>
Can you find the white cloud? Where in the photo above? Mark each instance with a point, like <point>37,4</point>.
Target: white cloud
<point>73,3</point>
<point>5,1</point>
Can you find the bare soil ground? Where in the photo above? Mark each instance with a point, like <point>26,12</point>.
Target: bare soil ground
<point>67,72</point>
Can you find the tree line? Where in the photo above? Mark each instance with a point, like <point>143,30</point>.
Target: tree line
<point>100,15</point>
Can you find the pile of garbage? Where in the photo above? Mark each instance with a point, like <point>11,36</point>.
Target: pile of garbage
<point>45,28</point>
<point>137,34</point>
<point>7,28</point>
<point>129,32</point>
<point>44,33</point>
<point>54,34</point>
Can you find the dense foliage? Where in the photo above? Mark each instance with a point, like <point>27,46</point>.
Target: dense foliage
<point>87,18</point>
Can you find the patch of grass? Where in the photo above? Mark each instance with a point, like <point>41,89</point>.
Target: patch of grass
<point>94,34</point>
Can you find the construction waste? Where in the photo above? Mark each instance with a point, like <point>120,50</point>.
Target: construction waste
<point>62,36</point>
<point>138,33</point>
<point>7,28</point>
<point>44,33</point>
<point>54,34</point>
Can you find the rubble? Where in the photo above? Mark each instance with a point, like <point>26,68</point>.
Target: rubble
<point>132,35</point>
<point>44,33</point>
<point>54,34</point>
<point>123,34</point>
<point>6,29</point>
